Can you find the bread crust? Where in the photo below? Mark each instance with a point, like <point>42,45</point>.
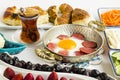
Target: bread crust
<point>53,13</point>
<point>63,19</point>
<point>10,16</point>
<point>65,8</point>
<point>80,16</point>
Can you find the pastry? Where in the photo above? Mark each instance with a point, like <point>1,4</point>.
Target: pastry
<point>63,19</point>
<point>10,16</point>
<point>53,13</point>
<point>65,8</point>
<point>80,16</point>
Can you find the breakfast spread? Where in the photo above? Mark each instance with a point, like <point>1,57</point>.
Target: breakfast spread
<point>2,42</point>
<point>74,45</point>
<point>69,47</point>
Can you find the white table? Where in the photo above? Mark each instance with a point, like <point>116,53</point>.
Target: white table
<point>91,5</point>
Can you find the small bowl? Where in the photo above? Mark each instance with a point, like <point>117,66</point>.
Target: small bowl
<point>69,29</point>
<point>112,61</point>
<point>12,47</point>
<point>112,37</point>
<point>106,9</point>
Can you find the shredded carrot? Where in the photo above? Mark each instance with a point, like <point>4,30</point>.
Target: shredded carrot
<point>111,18</point>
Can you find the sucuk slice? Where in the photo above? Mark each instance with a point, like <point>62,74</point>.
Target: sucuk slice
<point>87,50</point>
<point>63,52</point>
<point>61,37</point>
<point>89,44</point>
<point>78,53</point>
<point>51,46</point>
<point>78,36</point>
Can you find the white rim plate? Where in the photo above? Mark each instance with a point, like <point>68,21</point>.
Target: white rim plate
<point>42,26</point>
<point>45,74</point>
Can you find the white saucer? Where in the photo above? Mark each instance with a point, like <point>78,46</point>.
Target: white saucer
<point>16,37</point>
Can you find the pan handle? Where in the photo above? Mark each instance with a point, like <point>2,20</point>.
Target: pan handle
<point>97,25</point>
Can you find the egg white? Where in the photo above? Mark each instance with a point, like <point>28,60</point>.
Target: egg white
<point>71,51</point>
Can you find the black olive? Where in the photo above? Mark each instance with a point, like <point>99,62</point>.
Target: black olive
<point>66,69</point>
<point>94,73</point>
<point>38,67</point>
<point>44,67</point>
<point>11,62</point>
<point>15,58</point>
<point>33,66</point>
<point>3,54</point>
<point>102,76</point>
<point>82,71</point>
<point>6,58</point>
<point>74,69</point>
<point>28,65</point>
<point>50,68</point>
<point>18,64</point>
<point>23,63</point>
<point>57,67</point>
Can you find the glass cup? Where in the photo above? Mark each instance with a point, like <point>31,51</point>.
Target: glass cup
<point>29,33</point>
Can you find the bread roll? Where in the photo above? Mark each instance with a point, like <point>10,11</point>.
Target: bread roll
<point>65,8</point>
<point>63,19</point>
<point>80,16</point>
<point>53,13</point>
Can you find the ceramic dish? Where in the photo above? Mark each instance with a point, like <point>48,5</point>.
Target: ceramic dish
<point>12,47</point>
<point>89,34</point>
<point>112,37</point>
<point>115,63</point>
<point>103,10</point>
<point>45,74</point>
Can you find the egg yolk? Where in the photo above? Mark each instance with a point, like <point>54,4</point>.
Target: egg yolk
<point>67,44</point>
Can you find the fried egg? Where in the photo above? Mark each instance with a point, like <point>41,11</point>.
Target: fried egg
<point>70,45</point>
